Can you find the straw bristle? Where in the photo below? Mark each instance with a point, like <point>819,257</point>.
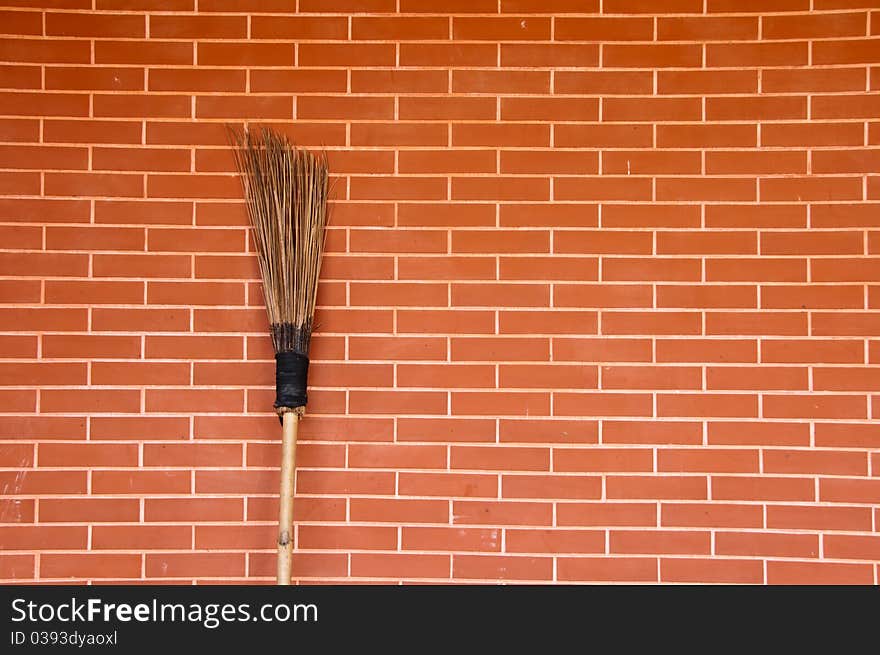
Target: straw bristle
<point>286,190</point>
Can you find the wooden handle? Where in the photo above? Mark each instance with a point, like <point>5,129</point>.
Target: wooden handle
<point>290,424</point>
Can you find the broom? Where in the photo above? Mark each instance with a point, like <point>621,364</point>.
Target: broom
<point>286,190</point>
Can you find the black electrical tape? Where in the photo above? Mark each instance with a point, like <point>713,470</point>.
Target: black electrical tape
<point>291,373</point>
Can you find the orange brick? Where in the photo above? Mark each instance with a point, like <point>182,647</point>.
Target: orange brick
<point>707,404</point>
<point>601,188</point>
<point>640,323</point>
<point>397,348</point>
<point>139,52</point>
<point>636,109</point>
<point>95,25</point>
<point>733,433</point>
<point>709,28</point>
<point>651,432</point>
<point>60,51</point>
<point>605,82</point>
<point>705,82</point>
<point>397,28</point>
<point>847,435</point>
<point>763,488</point>
<point>445,429</point>
<point>195,27</point>
<point>706,188</point>
<point>696,135</point>
<point>692,296</point>
<point>760,378</point>
<point>846,51</point>
<point>638,162</point>
<point>500,29</point>
<point>849,490</point>
<point>706,460</point>
<point>602,350</point>
<point>608,242</point>
<point>815,406</point>
<point>477,403</point>
<point>735,55</point>
<point>446,54</point>
<point>653,56</point>
<point>544,486</point>
<point>501,134</point>
<point>862,547</point>
<point>598,136</point>
<point>651,377</point>
<point>550,55</point>
<point>447,376</point>
<point>601,404</point>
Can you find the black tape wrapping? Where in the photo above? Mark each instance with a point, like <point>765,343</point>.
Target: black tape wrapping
<point>291,378</point>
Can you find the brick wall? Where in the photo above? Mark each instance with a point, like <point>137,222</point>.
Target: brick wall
<point>599,303</point>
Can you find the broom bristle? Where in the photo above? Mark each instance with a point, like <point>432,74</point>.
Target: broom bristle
<point>286,191</point>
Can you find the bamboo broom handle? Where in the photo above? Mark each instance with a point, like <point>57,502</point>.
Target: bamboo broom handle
<point>290,427</point>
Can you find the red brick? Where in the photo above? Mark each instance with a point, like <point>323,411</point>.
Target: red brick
<point>707,404</point>
<point>555,541</point>
<point>636,542</point>
<point>815,517</point>
<point>446,485</point>
<point>501,512</point>
<point>397,565</point>
<point>89,565</point>
<point>715,570</point>
<point>792,573</point>
<point>497,567</point>
<point>711,515</point>
<point>606,569</point>
<point>607,513</point>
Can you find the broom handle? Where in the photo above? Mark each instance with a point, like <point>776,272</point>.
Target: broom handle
<point>290,424</point>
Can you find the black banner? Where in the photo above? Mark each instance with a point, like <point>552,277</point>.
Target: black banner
<point>225,619</point>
